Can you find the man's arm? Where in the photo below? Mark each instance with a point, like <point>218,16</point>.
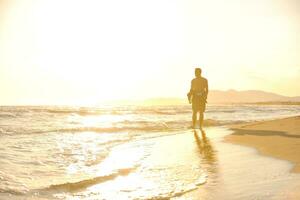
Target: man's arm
<point>189,94</point>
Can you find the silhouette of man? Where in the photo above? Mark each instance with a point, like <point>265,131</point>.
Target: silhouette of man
<point>197,96</point>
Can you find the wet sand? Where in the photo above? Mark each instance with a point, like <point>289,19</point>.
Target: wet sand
<point>195,165</point>
<point>277,138</point>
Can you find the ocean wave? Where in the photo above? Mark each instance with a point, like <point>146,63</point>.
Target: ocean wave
<point>82,184</point>
<point>14,190</point>
<point>123,126</point>
<point>118,127</point>
<point>129,126</point>
<point>114,111</point>
<point>8,184</point>
<point>12,111</point>
<point>7,115</point>
<point>162,110</point>
<point>177,192</point>
<point>68,111</point>
<point>110,129</point>
<point>221,111</point>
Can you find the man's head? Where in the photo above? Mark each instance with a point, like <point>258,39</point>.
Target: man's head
<point>198,72</point>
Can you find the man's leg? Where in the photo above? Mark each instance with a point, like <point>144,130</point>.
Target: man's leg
<point>194,118</point>
<point>201,119</point>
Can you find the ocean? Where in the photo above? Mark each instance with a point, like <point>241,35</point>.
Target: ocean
<point>64,152</point>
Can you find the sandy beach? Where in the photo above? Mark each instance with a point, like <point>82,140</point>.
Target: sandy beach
<point>277,138</point>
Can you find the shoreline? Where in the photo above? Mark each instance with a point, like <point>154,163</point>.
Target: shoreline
<point>279,138</point>
<point>204,166</point>
<point>187,165</point>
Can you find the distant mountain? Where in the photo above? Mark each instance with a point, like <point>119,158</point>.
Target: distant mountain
<point>230,96</point>
<point>248,96</point>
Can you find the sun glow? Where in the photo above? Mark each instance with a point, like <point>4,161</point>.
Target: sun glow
<point>104,46</point>
<point>86,52</point>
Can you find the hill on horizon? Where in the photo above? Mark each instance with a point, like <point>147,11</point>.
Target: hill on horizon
<point>230,96</point>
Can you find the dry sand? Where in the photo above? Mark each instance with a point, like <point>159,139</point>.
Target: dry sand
<point>277,138</point>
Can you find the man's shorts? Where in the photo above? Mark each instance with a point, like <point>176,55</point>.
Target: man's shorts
<point>198,104</point>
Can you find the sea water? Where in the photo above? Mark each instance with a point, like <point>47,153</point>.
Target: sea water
<point>57,152</point>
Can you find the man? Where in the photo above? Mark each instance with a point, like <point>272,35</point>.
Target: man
<point>197,96</point>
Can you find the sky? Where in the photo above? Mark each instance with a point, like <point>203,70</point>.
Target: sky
<point>91,51</point>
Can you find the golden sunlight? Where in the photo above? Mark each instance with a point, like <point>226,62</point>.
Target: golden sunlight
<point>104,50</point>
<point>157,99</point>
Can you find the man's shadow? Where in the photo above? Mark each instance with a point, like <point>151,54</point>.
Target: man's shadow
<point>206,149</point>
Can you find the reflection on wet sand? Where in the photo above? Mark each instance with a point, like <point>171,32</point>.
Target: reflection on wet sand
<point>206,150</point>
